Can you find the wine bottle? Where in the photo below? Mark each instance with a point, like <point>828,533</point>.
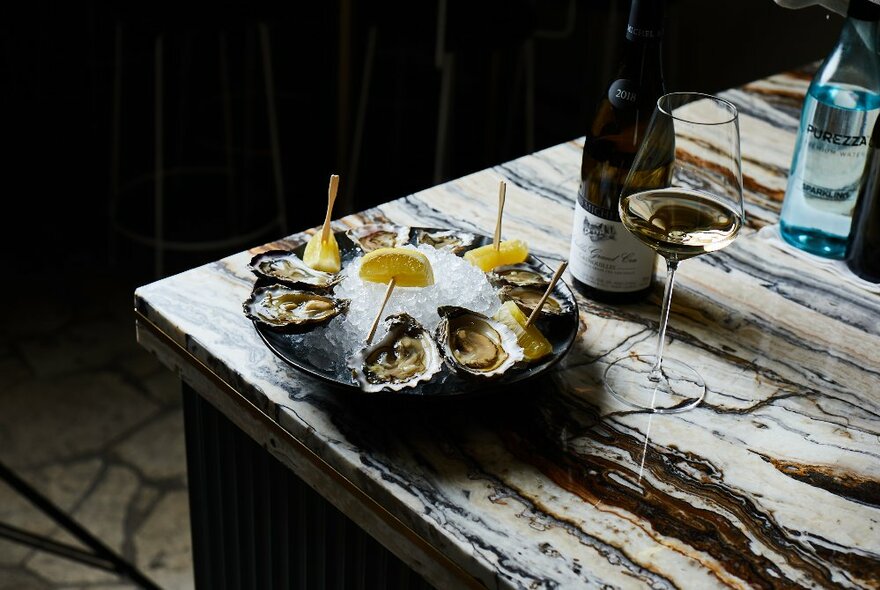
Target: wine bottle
<point>863,247</point>
<point>840,108</point>
<point>606,262</point>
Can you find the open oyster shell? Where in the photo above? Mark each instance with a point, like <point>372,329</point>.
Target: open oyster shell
<point>452,239</point>
<point>528,297</point>
<point>288,268</point>
<point>281,308</point>
<point>518,276</point>
<point>406,356</point>
<point>373,236</point>
<point>474,344</point>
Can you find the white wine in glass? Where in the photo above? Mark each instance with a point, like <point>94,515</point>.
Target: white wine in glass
<point>695,138</point>
<point>680,223</point>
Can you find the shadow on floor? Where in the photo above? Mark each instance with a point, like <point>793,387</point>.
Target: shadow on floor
<point>94,423</point>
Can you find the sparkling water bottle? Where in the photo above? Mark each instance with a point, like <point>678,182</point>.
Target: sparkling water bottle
<point>840,108</point>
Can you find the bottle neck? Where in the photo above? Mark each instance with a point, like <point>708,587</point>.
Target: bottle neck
<point>642,60</point>
<point>861,32</point>
<point>644,33</point>
<point>645,22</point>
<point>854,60</point>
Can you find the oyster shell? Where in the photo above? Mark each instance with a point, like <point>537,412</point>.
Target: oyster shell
<point>475,344</point>
<point>451,239</point>
<point>287,267</point>
<point>518,276</point>
<point>281,308</point>
<point>528,297</point>
<point>407,355</point>
<point>373,236</point>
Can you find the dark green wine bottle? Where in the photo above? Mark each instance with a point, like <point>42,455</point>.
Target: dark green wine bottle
<point>606,262</point>
<point>863,246</point>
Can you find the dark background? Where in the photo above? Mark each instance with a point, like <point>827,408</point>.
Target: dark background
<point>357,91</point>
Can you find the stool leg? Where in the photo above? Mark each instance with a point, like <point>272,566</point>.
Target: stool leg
<point>158,187</point>
<point>446,86</point>
<point>358,141</point>
<point>114,146</point>
<point>529,58</point>
<point>445,61</point>
<point>273,126</point>
<point>231,216</point>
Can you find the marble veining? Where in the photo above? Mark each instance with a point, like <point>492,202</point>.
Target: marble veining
<point>773,482</point>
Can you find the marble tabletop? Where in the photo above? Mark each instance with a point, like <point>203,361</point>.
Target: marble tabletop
<point>773,481</point>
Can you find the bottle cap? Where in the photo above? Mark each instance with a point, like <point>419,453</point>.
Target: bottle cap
<point>864,10</point>
<point>645,20</point>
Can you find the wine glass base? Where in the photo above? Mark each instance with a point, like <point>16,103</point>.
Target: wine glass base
<point>678,388</point>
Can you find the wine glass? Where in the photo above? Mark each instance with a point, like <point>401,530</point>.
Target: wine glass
<point>691,150</point>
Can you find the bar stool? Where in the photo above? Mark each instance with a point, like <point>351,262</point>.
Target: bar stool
<point>165,171</point>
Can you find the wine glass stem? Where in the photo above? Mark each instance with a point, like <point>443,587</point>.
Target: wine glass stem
<point>671,266</point>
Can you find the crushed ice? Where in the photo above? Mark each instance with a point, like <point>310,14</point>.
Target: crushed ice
<point>456,282</point>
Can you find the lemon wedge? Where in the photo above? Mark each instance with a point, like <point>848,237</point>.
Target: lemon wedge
<point>487,257</point>
<point>323,256</point>
<point>409,268</point>
<point>534,344</point>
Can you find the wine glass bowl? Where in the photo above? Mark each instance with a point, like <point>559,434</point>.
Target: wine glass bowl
<point>693,139</point>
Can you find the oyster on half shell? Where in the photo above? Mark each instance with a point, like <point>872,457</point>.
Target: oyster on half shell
<point>280,308</point>
<point>518,276</point>
<point>407,355</point>
<point>373,236</point>
<point>454,240</point>
<point>528,297</point>
<point>285,266</point>
<point>475,344</point>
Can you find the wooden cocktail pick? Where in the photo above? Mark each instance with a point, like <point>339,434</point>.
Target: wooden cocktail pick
<point>331,200</point>
<point>381,309</point>
<point>537,310</point>
<point>322,251</point>
<point>394,266</point>
<point>502,193</point>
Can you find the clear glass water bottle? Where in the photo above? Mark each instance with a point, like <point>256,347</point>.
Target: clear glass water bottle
<point>840,108</point>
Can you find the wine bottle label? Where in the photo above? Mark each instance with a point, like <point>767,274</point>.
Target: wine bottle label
<point>645,20</point>
<point>635,32</point>
<point>834,149</point>
<point>605,256</point>
<point>623,94</point>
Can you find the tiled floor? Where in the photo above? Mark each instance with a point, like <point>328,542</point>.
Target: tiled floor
<point>94,423</point>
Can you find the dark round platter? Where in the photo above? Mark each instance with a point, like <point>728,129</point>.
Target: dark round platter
<point>330,364</point>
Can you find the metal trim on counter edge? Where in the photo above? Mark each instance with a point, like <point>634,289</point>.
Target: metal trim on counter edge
<point>245,404</point>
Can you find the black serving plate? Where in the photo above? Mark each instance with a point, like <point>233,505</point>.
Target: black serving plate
<point>330,364</point>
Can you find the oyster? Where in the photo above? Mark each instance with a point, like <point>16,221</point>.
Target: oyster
<point>287,267</point>
<point>528,297</point>
<point>279,307</point>
<point>451,239</point>
<point>373,236</point>
<point>406,356</point>
<point>475,344</point>
<point>518,276</point>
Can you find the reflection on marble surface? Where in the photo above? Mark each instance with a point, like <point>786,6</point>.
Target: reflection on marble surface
<point>774,481</point>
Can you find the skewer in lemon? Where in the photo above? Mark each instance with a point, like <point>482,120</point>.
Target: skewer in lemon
<point>498,253</point>
<point>322,251</point>
<point>403,267</point>
<point>534,344</point>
